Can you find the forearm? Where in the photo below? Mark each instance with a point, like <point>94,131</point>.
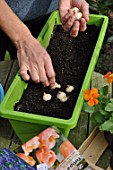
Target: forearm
<point>11,24</point>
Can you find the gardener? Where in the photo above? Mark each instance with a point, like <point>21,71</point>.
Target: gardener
<point>33,59</point>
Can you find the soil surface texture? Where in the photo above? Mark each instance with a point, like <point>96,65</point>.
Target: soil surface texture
<point>70,58</point>
<point>105,60</point>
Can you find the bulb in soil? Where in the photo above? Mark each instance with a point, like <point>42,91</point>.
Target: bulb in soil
<point>64,99</point>
<point>69,88</point>
<point>46,96</point>
<point>62,96</point>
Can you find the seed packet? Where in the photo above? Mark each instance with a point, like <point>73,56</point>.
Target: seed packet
<point>10,161</point>
<point>50,150</point>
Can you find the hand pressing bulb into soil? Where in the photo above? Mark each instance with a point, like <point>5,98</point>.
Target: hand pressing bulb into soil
<point>56,86</point>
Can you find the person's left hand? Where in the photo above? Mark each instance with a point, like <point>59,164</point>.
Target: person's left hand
<point>68,17</point>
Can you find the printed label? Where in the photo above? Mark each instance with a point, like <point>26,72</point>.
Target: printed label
<point>73,162</point>
<point>42,167</point>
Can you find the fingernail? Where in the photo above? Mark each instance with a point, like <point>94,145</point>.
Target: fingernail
<point>52,84</point>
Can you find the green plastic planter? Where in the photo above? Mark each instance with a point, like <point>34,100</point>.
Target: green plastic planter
<point>28,125</point>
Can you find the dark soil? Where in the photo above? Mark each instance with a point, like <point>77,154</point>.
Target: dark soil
<point>105,60</point>
<point>70,57</point>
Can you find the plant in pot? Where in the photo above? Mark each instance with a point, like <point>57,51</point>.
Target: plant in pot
<point>99,104</point>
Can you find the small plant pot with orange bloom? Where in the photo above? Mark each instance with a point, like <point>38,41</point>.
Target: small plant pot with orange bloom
<point>100,104</point>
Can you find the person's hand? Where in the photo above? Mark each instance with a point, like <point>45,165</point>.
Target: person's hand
<point>34,61</point>
<point>68,17</point>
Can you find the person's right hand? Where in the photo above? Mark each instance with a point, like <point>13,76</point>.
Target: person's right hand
<point>68,17</point>
<point>34,61</point>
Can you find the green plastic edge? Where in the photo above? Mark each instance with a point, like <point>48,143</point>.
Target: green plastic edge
<point>60,122</point>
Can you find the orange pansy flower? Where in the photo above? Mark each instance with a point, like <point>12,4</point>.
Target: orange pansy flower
<point>91,96</point>
<point>109,77</point>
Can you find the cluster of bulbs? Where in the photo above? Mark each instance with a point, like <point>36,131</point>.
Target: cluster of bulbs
<point>60,95</point>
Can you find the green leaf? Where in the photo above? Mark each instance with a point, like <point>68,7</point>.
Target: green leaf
<point>107,126</point>
<point>87,108</point>
<point>103,100</point>
<point>104,91</point>
<point>99,118</point>
<point>103,112</point>
<point>108,3</point>
<point>111,115</point>
<point>111,131</point>
<point>109,107</point>
<point>111,100</point>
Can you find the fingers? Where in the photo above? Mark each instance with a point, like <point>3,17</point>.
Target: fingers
<point>23,67</point>
<point>43,76</point>
<point>85,11</point>
<point>74,26</point>
<point>24,73</point>
<point>39,73</point>
<point>75,21</point>
<point>34,73</point>
<point>50,72</point>
<point>82,24</point>
<point>75,29</point>
<point>66,16</point>
<point>67,26</point>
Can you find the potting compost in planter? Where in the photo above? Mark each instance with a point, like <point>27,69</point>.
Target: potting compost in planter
<point>70,57</point>
<point>74,60</point>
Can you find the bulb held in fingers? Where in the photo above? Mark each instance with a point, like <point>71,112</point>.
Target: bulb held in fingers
<point>79,16</point>
<point>56,86</point>
<point>75,10</point>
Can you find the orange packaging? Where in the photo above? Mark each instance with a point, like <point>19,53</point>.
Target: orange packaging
<point>50,150</point>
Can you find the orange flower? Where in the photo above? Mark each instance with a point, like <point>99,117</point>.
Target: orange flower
<point>47,138</point>
<point>27,159</point>
<point>91,96</point>
<point>30,145</point>
<point>109,77</point>
<point>44,155</point>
